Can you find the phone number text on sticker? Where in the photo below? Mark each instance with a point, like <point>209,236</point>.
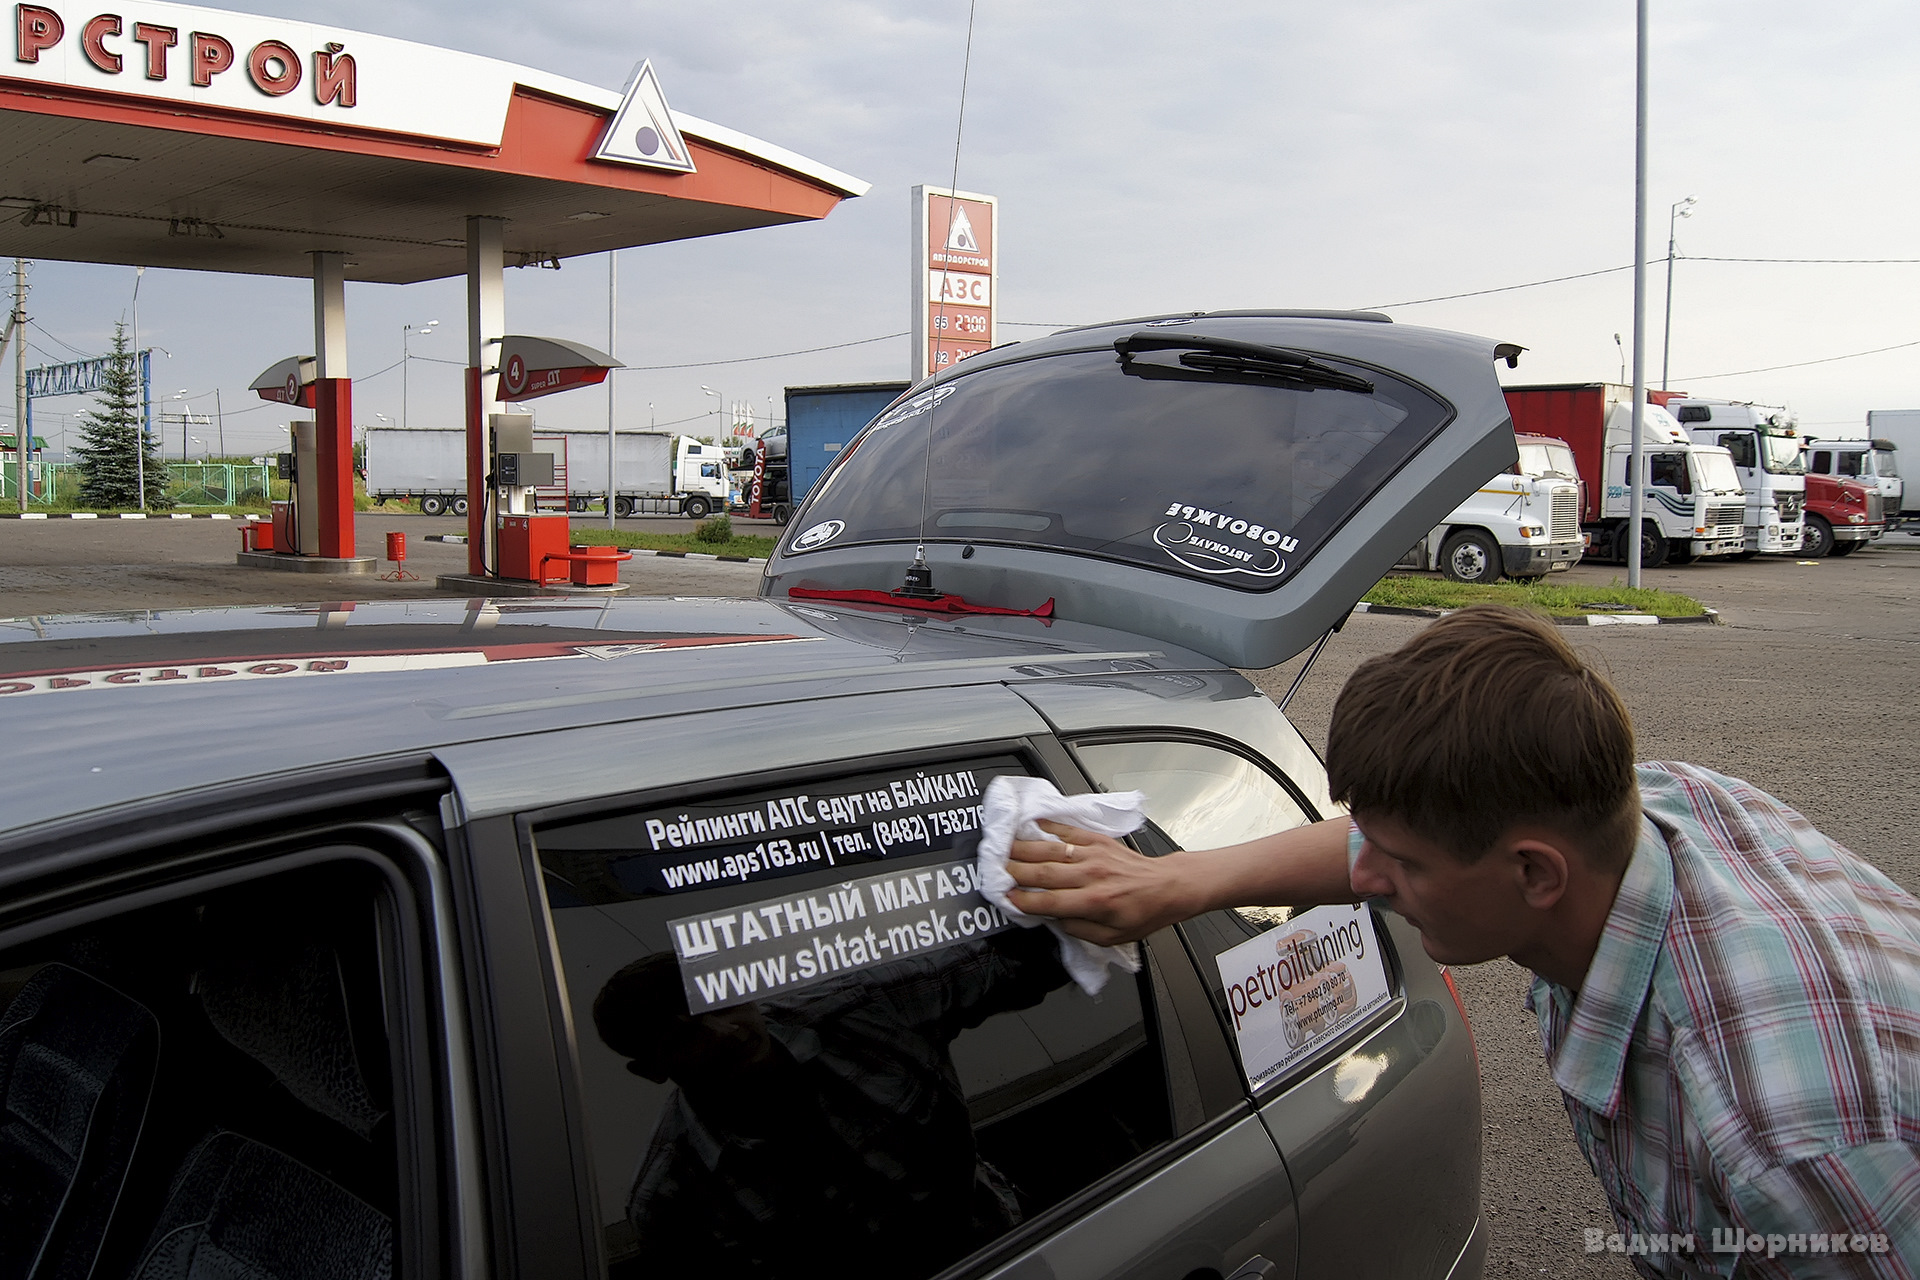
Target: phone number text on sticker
<point>1297,987</point>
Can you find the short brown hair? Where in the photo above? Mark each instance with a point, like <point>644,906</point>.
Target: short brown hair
<point>1486,719</point>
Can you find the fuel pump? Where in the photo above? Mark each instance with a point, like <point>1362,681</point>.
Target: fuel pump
<point>296,521</point>
<point>523,537</point>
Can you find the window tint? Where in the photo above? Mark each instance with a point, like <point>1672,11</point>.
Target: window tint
<point>1670,470</point>
<point>1216,474</point>
<point>805,1040</point>
<point>1741,446</point>
<point>1849,462</point>
<point>209,1077</point>
<point>1202,797</point>
<point>1823,461</point>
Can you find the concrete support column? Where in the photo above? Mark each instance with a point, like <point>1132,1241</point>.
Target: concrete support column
<point>333,407</point>
<point>486,325</point>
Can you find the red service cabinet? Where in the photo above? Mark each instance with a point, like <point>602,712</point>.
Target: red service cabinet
<point>525,540</point>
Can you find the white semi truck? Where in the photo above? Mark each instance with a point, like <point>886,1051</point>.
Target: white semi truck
<point>1766,457</point>
<point>655,473</point>
<point>1523,523</point>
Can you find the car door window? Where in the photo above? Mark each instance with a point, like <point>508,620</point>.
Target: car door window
<point>1849,463</point>
<point>209,1077</point>
<point>803,1038</point>
<point>1823,461</point>
<point>1741,447</point>
<point>1202,796</point>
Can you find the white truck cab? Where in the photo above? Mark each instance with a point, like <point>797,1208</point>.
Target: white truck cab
<point>702,469</point>
<point>1694,505</point>
<point>1523,523</point>
<point>1766,456</point>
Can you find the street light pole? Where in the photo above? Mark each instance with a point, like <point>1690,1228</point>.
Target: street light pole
<point>406,358</point>
<point>722,410</point>
<point>1636,486</point>
<point>1681,209</point>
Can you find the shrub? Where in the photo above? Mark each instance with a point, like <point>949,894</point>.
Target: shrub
<point>715,529</point>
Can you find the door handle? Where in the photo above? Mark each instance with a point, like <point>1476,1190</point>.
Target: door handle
<point>1254,1268</point>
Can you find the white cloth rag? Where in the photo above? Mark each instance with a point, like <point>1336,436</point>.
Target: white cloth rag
<point>1011,810</point>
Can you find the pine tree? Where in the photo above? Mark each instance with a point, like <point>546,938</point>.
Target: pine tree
<point>110,444</point>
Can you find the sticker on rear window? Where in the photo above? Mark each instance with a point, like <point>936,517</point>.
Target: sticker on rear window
<point>1299,986</point>
<point>1214,542</point>
<point>761,949</point>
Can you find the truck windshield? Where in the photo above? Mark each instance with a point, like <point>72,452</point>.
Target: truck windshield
<point>1083,454</point>
<point>1547,460</point>
<point>1883,463</point>
<point>1717,473</point>
<point>1782,455</point>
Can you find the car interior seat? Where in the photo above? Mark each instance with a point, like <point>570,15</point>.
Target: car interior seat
<point>240,1208</point>
<point>77,1065</point>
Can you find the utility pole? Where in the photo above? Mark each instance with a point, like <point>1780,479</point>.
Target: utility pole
<point>613,296</point>
<point>1637,483</point>
<point>221,414</point>
<point>146,409</point>
<point>17,330</point>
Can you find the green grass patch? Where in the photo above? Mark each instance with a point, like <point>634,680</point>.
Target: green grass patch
<point>736,546</point>
<point>1560,600</point>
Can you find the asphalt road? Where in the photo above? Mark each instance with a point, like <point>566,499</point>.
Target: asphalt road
<point>69,566</point>
<point>1807,690</point>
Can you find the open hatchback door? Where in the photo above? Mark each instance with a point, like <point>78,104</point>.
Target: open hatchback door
<point>1230,482</point>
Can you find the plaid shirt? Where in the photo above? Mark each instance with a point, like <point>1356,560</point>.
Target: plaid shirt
<point>1743,1058</point>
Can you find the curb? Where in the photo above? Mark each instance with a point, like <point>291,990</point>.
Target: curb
<point>1710,618</point>
<point>123,515</point>
<point>461,538</point>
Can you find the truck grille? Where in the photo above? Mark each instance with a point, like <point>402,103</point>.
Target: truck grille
<point>1875,512</point>
<point>1727,513</point>
<point>1789,504</point>
<point>1566,514</point>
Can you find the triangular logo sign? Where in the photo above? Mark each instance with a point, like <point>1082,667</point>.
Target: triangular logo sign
<point>960,232</point>
<point>642,131</point>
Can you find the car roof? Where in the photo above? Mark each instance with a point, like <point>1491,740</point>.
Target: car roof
<point>120,707</point>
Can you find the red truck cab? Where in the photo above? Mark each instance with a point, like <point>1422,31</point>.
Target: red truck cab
<point>1842,516</point>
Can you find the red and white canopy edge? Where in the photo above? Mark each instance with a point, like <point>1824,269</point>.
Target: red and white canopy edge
<point>173,135</point>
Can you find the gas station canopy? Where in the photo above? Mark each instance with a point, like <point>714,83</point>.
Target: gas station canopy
<point>172,136</point>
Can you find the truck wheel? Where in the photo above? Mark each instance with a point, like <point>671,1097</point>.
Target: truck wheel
<point>459,506</point>
<point>782,513</point>
<point>576,503</point>
<point>623,506</point>
<point>1845,548</point>
<point>1819,538</point>
<point>1653,546</point>
<point>1470,556</point>
<point>697,508</point>
<point>432,504</point>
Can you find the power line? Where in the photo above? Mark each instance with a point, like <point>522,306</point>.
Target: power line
<point>1505,288</point>
<point>1851,355</point>
<point>1687,257</point>
<point>778,355</point>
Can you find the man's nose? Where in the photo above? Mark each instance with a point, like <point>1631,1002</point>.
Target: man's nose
<point>1366,878</point>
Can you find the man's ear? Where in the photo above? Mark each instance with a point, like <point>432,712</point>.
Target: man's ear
<point>1544,869</point>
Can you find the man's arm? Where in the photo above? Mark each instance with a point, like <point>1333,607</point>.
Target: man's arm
<point>1104,892</point>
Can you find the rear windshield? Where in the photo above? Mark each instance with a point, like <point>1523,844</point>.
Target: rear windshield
<point>1227,477</point>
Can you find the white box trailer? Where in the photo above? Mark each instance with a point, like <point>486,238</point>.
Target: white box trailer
<point>655,473</point>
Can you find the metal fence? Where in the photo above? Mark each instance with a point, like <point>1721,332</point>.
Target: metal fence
<point>189,484</point>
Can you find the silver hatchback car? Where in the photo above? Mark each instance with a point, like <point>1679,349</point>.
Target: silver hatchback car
<point>563,937</point>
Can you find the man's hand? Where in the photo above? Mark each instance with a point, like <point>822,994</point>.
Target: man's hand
<point>1096,887</point>
<point>1104,892</point>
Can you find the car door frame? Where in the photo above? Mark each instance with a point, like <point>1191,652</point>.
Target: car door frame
<point>108,864</point>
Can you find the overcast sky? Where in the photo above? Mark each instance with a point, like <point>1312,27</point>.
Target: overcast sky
<point>1173,157</point>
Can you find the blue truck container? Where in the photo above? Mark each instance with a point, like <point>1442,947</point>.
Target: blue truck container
<point>821,421</point>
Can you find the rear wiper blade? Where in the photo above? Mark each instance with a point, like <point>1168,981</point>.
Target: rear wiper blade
<point>1227,355</point>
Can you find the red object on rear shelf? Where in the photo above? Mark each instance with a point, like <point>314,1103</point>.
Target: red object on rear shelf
<point>934,604</point>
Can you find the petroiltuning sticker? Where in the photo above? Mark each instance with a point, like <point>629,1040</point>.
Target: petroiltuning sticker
<point>1297,987</point>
